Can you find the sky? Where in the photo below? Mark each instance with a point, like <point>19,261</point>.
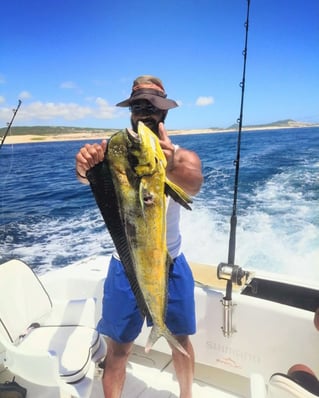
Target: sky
<point>71,61</point>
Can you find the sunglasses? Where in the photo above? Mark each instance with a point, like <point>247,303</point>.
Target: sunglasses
<point>143,109</point>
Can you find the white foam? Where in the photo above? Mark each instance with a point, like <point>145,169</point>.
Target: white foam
<point>285,244</point>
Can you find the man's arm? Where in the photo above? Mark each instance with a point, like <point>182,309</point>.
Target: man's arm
<point>183,166</point>
<point>186,171</point>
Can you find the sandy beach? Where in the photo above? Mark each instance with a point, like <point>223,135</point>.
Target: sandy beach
<point>29,138</point>
<point>98,136</point>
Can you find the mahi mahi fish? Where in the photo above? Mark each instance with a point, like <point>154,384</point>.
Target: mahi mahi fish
<point>130,188</point>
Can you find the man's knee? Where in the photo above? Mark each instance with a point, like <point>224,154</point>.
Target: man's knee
<point>183,339</point>
<point>185,342</point>
<point>118,350</point>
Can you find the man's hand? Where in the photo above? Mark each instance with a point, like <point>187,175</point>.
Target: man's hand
<point>167,146</point>
<point>183,166</point>
<point>87,157</point>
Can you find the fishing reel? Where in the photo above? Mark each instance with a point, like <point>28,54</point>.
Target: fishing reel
<point>233,273</point>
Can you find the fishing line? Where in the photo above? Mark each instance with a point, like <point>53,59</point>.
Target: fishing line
<point>6,175</point>
<point>233,221</point>
<point>4,179</point>
<point>229,271</point>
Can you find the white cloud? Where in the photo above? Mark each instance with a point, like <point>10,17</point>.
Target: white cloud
<point>39,111</point>
<point>68,85</point>
<point>204,101</point>
<point>51,110</point>
<point>103,110</point>
<point>24,95</point>
<point>2,99</point>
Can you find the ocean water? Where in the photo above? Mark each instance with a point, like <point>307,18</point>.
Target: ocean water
<point>49,219</point>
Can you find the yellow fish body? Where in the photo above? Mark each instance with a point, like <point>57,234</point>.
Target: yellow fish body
<point>130,187</point>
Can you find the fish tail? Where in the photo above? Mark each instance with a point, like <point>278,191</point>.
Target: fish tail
<point>156,333</point>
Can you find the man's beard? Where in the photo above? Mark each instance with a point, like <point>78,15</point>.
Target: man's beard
<point>151,122</point>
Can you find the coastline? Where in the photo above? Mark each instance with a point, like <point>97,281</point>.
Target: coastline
<point>82,136</point>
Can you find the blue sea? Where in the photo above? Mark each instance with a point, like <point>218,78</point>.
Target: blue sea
<point>49,220</point>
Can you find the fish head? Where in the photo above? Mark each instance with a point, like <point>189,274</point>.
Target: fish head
<point>117,152</point>
<point>146,149</point>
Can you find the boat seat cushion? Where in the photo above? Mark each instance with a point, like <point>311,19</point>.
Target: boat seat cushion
<point>284,386</point>
<point>24,300</point>
<point>74,347</point>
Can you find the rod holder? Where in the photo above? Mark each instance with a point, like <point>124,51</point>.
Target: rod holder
<point>227,327</point>
<point>232,274</point>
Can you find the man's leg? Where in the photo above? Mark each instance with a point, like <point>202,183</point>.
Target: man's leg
<point>184,366</point>
<point>115,368</point>
<point>180,319</point>
<point>121,321</point>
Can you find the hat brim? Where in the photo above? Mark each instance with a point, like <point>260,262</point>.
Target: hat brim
<point>160,102</point>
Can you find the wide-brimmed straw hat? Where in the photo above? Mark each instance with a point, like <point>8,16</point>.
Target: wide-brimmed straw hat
<point>149,88</point>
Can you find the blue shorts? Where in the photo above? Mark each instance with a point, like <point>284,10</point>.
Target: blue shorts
<point>122,320</point>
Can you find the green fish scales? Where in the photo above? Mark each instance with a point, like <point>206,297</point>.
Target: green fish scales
<point>130,188</point>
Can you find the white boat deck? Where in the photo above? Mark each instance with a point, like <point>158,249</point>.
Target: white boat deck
<point>239,366</point>
<point>152,375</point>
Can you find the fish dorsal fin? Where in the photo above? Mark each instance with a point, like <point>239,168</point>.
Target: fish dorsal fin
<point>177,194</point>
<point>104,192</point>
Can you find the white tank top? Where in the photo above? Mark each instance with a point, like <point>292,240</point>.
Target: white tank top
<point>173,235</point>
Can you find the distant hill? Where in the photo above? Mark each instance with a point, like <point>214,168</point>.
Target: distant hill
<point>56,131</point>
<point>280,124</point>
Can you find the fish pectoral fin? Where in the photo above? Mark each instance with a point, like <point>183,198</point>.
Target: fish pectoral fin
<point>141,195</point>
<point>177,194</point>
<point>146,196</point>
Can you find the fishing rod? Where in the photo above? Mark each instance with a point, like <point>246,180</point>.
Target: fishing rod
<point>229,271</point>
<point>15,111</point>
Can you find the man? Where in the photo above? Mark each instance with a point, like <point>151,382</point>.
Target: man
<point>122,324</point>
